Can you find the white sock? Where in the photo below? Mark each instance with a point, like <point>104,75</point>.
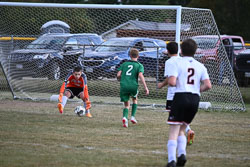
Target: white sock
<point>182,143</point>
<point>64,100</point>
<point>188,128</point>
<point>171,146</point>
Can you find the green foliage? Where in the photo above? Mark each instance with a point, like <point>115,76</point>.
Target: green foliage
<point>29,20</point>
<point>231,17</point>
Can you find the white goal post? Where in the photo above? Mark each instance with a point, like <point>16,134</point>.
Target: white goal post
<point>35,67</point>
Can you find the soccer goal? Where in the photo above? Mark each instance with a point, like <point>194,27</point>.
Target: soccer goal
<point>40,43</point>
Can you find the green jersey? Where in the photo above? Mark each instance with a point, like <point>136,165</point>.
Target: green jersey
<point>129,76</point>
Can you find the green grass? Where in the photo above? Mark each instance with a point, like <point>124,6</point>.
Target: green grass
<point>35,134</point>
<point>245,92</point>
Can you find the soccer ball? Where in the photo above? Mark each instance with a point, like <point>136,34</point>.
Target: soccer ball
<point>80,111</point>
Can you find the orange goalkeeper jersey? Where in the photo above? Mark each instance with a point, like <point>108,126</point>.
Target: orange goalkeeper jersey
<point>71,81</point>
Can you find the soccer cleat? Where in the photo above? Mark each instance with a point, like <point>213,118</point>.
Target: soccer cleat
<point>133,120</point>
<point>88,115</point>
<point>190,137</point>
<point>60,107</point>
<point>171,164</point>
<point>181,160</point>
<point>125,122</point>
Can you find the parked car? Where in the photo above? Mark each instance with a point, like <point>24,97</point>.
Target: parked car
<point>238,55</point>
<point>51,55</point>
<point>208,45</point>
<point>106,58</point>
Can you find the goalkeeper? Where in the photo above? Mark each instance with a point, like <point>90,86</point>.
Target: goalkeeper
<point>75,84</point>
<point>128,74</point>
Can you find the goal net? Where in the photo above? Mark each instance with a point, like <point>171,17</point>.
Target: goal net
<point>41,43</point>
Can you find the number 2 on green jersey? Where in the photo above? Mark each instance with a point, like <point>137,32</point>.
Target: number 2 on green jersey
<point>130,67</point>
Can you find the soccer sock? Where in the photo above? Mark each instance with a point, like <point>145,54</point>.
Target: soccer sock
<point>125,113</point>
<point>171,146</point>
<point>134,107</point>
<point>188,128</point>
<point>64,100</point>
<point>84,105</point>
<point>182,143</point>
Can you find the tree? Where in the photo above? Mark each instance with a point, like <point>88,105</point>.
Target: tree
<point>231,18</point>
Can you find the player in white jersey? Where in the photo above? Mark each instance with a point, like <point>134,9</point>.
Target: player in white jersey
<point>190,78</point>
<point>172,48</point>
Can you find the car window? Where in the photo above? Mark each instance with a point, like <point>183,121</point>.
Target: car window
<point>113,46</point>
<point>96,40</point>
<point>226,42</point>
<point>47,42</point>
<point>149,46</point>
<point>237,43</point>
<point>139,46</point>
<point>73,43</point>
<point>84,41</point>
<point>206,42</point>
<point>162,44</point>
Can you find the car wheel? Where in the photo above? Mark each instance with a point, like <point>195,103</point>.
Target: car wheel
<point>55,71</point>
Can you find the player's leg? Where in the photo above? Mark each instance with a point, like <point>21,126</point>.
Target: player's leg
<point>64,100</point>
<point>190,135</point>
<point>181,147</point>
<point>86,104</point>
<point>134,109</point>
<point>192,110</point>
<point>172,144</point>
<point>175,119</point>
<point>125,99</point>
<point>125,114</point>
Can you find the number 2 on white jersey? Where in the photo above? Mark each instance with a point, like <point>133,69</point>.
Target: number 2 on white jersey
<point>190,74</point>
<point>130,67</point>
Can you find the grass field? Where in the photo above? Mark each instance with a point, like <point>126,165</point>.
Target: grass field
<point>35,134</point>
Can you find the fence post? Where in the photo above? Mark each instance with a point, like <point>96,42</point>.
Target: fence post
<point>8,83</point>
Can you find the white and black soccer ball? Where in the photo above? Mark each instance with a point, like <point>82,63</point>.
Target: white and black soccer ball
<point>80,111</point>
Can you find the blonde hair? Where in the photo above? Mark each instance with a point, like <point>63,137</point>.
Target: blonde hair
<point>134,53</point>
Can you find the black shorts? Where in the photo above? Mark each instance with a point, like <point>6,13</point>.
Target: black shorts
<point>183,108</point>
<point>74,91</point>
<point>168,105</point>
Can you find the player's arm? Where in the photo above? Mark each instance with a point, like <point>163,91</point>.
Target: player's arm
<point>63,87</point>
<point>165,82</point>
<point>206,85</point>
<point>143,82</point>
<point>205,81</point>
<point>170,74</point>
<point>86,92</point>
<point>119,69</point>
<point>86,97</point>
<point>162,84</point>
<point>118,76</point>
<point>172,81</point>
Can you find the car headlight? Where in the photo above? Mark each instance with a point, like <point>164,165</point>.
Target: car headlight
<point>112,58</point>
<point>113,68</point>
<point>116,57</point>
<point>43,56</point>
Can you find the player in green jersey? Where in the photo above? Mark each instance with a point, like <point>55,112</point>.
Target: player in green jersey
<point>128,74</point>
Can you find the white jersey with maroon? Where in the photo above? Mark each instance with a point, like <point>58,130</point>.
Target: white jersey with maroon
<point>171,89</point>
<point>189,73</point>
